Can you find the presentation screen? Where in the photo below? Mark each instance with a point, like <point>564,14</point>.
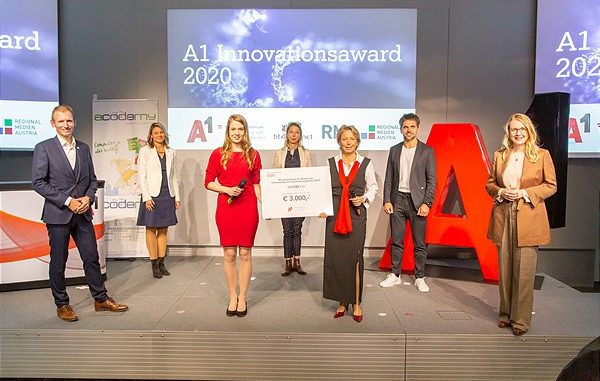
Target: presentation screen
<point>320,67</point>
<point>28,71</point>
<point>568,60</point>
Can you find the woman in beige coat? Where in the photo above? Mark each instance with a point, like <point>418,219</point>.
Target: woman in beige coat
<point>522,177</point>
<point>292,155</point>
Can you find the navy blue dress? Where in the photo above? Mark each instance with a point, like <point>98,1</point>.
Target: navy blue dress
<point>163,213</point>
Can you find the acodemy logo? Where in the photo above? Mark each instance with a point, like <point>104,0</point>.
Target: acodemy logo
<point>121,203</point>
<point>125,115</point>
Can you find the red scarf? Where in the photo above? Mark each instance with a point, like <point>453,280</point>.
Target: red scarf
<point>343,223</point>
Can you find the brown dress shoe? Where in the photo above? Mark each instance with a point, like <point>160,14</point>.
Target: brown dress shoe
<point>297,268</point>
<point>110,305</point>
<point>288,268</point>
<point>66,312</point>
<point>503,324</point>
<point>518,331</point>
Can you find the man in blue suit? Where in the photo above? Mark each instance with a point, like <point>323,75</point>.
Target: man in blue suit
<point>63,173</point>
<point>408,194</point>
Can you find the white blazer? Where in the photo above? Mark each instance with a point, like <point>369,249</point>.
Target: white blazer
<point>150,176</point>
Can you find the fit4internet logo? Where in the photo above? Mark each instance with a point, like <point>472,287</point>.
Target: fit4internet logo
<point>7,127</point>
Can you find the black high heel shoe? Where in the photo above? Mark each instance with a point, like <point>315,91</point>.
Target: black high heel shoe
<point>242,313</point>
<point>229,312</point>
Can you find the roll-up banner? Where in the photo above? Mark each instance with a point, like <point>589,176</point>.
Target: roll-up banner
<point>120,129</point>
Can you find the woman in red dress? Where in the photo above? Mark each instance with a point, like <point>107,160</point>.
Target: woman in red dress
<point>233,172</point>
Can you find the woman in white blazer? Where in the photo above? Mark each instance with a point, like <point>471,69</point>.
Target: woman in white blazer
<point>158,181</point>
<point>292,155</point>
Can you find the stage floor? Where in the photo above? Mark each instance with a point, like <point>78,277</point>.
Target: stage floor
<point>455,322</point>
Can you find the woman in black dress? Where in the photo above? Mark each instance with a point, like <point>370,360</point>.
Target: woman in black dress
<point>353,186</point>
<point>157,178</point>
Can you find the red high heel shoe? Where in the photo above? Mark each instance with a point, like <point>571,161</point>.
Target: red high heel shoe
<point>339,314</point>
<point>357,318</point>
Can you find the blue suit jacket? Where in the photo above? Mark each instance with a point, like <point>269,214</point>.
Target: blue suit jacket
<point>422,175</point>
<point>54,179</point>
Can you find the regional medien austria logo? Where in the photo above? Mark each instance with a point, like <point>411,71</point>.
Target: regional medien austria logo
<point>381,132</point>
<point>20,126</point>
<point>370,134</point>
<point>6,128</point>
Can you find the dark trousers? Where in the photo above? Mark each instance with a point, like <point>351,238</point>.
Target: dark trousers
<point>404,210</point>
<point>292,236</point>
<point>82,232</point>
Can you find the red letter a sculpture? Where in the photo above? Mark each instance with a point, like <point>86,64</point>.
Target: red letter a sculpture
<point>461,156</point>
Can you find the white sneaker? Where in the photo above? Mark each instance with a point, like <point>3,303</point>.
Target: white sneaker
<point>391,280</point>
<point>421,285</point>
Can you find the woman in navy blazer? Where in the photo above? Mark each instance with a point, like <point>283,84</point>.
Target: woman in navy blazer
<point>157,178</point>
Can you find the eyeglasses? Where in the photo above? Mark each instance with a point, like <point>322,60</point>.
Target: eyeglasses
<point>514,131</point>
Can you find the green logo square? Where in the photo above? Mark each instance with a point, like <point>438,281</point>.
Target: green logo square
<point>372,128</point>
<point>7,122</point>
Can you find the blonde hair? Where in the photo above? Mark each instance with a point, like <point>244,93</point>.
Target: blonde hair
<point>291,124</point>
<point>227,147</point>
<point>532,147</point>
<point>350,128</point>
<point>149,138</point>
<point>63,108</point>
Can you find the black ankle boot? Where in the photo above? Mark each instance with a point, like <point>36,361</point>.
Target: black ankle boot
<point>161,266</point>
<point>288,268</point>
<point>155,270</point>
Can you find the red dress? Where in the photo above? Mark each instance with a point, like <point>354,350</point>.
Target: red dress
<point>237,222</point>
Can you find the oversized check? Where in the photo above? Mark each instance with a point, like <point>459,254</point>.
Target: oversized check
<point>296,192</point>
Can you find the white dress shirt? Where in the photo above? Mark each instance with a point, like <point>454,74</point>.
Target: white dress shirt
<point>371,186</point>
<point>71,154</point>
<point>69,149</point>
